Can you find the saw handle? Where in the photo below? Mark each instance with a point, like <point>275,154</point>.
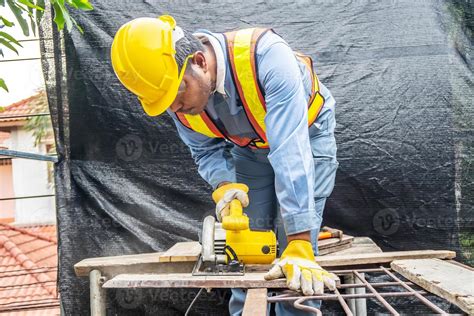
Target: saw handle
<point>236,208</point>
<point>236,220</point>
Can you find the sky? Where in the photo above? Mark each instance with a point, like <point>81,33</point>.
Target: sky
<point>23,78</point>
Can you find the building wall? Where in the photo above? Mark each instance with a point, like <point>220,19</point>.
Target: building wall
<point>7,208</point>
<point>30,177</point>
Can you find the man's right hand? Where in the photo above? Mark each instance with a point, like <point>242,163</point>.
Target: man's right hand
<point>224,194</point>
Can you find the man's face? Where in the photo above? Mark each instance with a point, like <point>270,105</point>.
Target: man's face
<point>194,92</point>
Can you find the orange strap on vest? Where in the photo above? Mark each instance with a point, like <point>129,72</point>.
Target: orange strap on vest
<point>203,124</point>
<point>241,52</point>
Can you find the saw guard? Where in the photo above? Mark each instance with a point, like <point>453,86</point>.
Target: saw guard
<point>208,227</point>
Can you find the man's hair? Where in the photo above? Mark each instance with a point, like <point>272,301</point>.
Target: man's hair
<point>186,46</point>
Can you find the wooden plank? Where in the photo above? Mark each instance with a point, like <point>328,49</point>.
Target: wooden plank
<point>384,257</point>
<point>253,278</point>
<point>361,245</point>
<point>256,302</point>
<point>187,280</point>
<point>461,265</point>
<point>331,242</point>
<point>140,263</point>
<point>361,259</point>
<point>452,282</point>
<point>82,268</point>
<point>181,252</point>
<point>334,249</point>
<point>146,263</point>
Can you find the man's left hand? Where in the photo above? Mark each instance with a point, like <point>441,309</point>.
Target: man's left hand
<point>298,265</point>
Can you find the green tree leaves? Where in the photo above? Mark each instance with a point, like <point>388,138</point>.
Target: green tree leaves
<point>3,85</point>
<point>28,14</point>
<point>61,13</point>
<point>8,41</point>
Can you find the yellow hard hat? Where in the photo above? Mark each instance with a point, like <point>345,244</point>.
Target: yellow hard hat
<point>143,58</point>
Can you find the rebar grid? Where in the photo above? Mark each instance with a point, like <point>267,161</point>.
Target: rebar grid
<point>298,301</point>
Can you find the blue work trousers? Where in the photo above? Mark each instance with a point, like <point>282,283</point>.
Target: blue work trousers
<point>253,168</point>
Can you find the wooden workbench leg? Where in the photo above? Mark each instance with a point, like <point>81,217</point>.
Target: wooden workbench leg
<point>349,279</point>
<point>256,302</point>
<point>360,303</point>
<point>97,293</point>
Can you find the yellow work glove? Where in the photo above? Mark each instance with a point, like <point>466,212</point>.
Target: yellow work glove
<point>298,265</point>
<point>225,194</point>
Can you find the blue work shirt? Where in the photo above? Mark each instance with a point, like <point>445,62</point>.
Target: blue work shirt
<point>286,83</point>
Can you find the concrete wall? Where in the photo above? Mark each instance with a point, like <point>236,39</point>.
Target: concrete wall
<point>30,177</point>
<point>7,208</point>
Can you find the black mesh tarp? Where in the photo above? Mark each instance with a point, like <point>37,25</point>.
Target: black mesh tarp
<point>400,71</point>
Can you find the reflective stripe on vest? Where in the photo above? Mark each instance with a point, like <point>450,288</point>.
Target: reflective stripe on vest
<point>200,123</point>
<point>241,53</point>
<point>203,124</point>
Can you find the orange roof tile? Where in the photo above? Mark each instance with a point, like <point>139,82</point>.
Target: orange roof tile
<point>43,311</point>
<point>31,105</point>
<point>28,270</point>
<point>43,231</point>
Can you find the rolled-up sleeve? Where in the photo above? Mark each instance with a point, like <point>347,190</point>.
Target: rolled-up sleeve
<point>215,164</point>
<point>287,132</point>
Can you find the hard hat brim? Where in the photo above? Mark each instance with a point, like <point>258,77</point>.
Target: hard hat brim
<point>161,105</point>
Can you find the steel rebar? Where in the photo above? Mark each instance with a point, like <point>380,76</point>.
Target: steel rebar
<point>377,295</point>
<point>423,299</point>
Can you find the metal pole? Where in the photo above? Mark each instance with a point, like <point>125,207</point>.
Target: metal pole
<point>23,116</point>
<point>21,154</point>
<point>97,293</point>
<point>26,197</point>
<point>349,279</point>
<point>360,303</point>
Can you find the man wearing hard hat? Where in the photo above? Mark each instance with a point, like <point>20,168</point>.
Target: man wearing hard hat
<point>259,125</point>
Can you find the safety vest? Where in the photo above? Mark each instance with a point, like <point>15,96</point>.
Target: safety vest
<point>241,54</point>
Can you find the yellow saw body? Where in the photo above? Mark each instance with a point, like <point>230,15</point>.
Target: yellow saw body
<point>232,240</point>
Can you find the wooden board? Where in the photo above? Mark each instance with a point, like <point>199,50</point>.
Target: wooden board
<point>361,245</point>
<point>331,242</point>
<point>334,249</point>
<point>362,252</point>
<point>141,263</point>
<point>384,257</point>
<point>182,251</point>
<point>254,277</point>
<point>187,280</point>
<point>256,302</point>
<point>452,282</point>
<point>82,268</point>
<point>331,245</point>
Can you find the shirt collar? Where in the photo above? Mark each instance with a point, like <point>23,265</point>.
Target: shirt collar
<point>220,76</point>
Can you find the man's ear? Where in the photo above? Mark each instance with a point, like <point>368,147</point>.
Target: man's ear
<point>199,59</point>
